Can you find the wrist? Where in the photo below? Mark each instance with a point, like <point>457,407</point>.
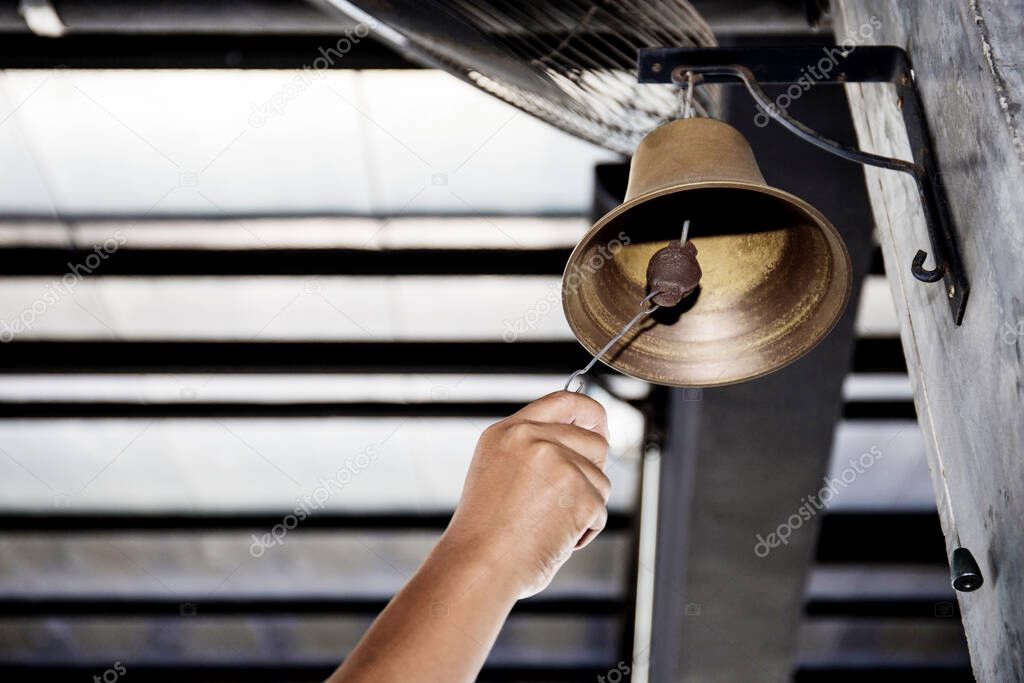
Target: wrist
<point>479,565</point>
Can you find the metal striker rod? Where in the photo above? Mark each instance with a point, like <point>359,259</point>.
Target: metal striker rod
<point>644,312</point>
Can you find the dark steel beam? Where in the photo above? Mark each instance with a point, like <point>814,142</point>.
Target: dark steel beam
<point>123,522</point>
<point>883,674</point>
<point>846,537</point>
<point>32,261</point>
<point>292,357</point>
<point>940,606</point>
<point>870,355</point>
<point>195,51</point>
<point>879,355</point>
<point>46,410</point>
<point>877,262</point>
<point>225,672</point>
<point>881,538</point>
<point>181,409</point>
<point>15,261</point>
<point>201,605</point>
<point>778,18</point>
<point>878,410</point>
<point>779,65</point>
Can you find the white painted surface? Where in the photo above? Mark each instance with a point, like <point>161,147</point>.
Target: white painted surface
<point>351,142</point>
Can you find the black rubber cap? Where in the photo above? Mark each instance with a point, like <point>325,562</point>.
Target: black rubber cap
<point>965,571</point>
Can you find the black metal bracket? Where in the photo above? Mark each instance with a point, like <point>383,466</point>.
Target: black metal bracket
<point>836,65</point>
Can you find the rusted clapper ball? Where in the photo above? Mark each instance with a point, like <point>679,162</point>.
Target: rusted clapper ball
<point>673,272</point>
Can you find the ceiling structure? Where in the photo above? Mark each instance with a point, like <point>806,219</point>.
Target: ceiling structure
<point>333,283</point>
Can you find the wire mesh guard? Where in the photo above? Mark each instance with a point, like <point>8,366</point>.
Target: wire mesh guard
<point>571,63</point>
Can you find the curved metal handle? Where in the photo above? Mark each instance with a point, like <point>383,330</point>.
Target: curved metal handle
<point>924,274</point>
<point>812,136</point>
<point>940,225</point>
<point>576,383</point>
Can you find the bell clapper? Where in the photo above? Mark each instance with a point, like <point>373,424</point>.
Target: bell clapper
<point>673,271</point>
<point>644,312</point>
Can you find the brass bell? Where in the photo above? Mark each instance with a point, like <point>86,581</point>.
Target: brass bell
<point>774,274</point>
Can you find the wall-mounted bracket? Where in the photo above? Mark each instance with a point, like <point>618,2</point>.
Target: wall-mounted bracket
<point>806,65</point>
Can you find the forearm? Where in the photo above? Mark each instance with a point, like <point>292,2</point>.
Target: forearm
<point>441,625</point>
<point>535,490</point>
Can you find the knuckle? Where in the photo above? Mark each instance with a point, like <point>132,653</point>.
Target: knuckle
<point>565,397</point>
<point>501,427</point>
<point>589,507</point>
<point>543,451</point>
<point>492,431</point>
<point>599,446</point>
<point>587,503</point>
<point>519,432</point>
<point>566,475</point>
<point>594,504</point>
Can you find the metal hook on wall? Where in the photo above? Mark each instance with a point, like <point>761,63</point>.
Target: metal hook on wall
<point>781,66</point>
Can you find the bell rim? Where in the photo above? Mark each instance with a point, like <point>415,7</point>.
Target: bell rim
<point>817,216</point>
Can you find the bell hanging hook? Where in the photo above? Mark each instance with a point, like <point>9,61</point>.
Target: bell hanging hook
<point>688,112</point>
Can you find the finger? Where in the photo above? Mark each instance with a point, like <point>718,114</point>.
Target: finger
<point>595,476</point>
<point>566,407</point>
<point>585,539</point>
<point>590,445</point>
<point>596,527</point>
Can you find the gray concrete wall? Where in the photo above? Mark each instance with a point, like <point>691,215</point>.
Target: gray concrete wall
<point>968,61</point>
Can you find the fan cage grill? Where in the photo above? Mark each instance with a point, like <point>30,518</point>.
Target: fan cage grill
<point>586,52</point>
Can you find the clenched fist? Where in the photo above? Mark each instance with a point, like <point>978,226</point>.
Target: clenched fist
<point>536,489</point>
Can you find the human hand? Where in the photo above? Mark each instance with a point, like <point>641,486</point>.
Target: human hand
<point>535,491</point>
